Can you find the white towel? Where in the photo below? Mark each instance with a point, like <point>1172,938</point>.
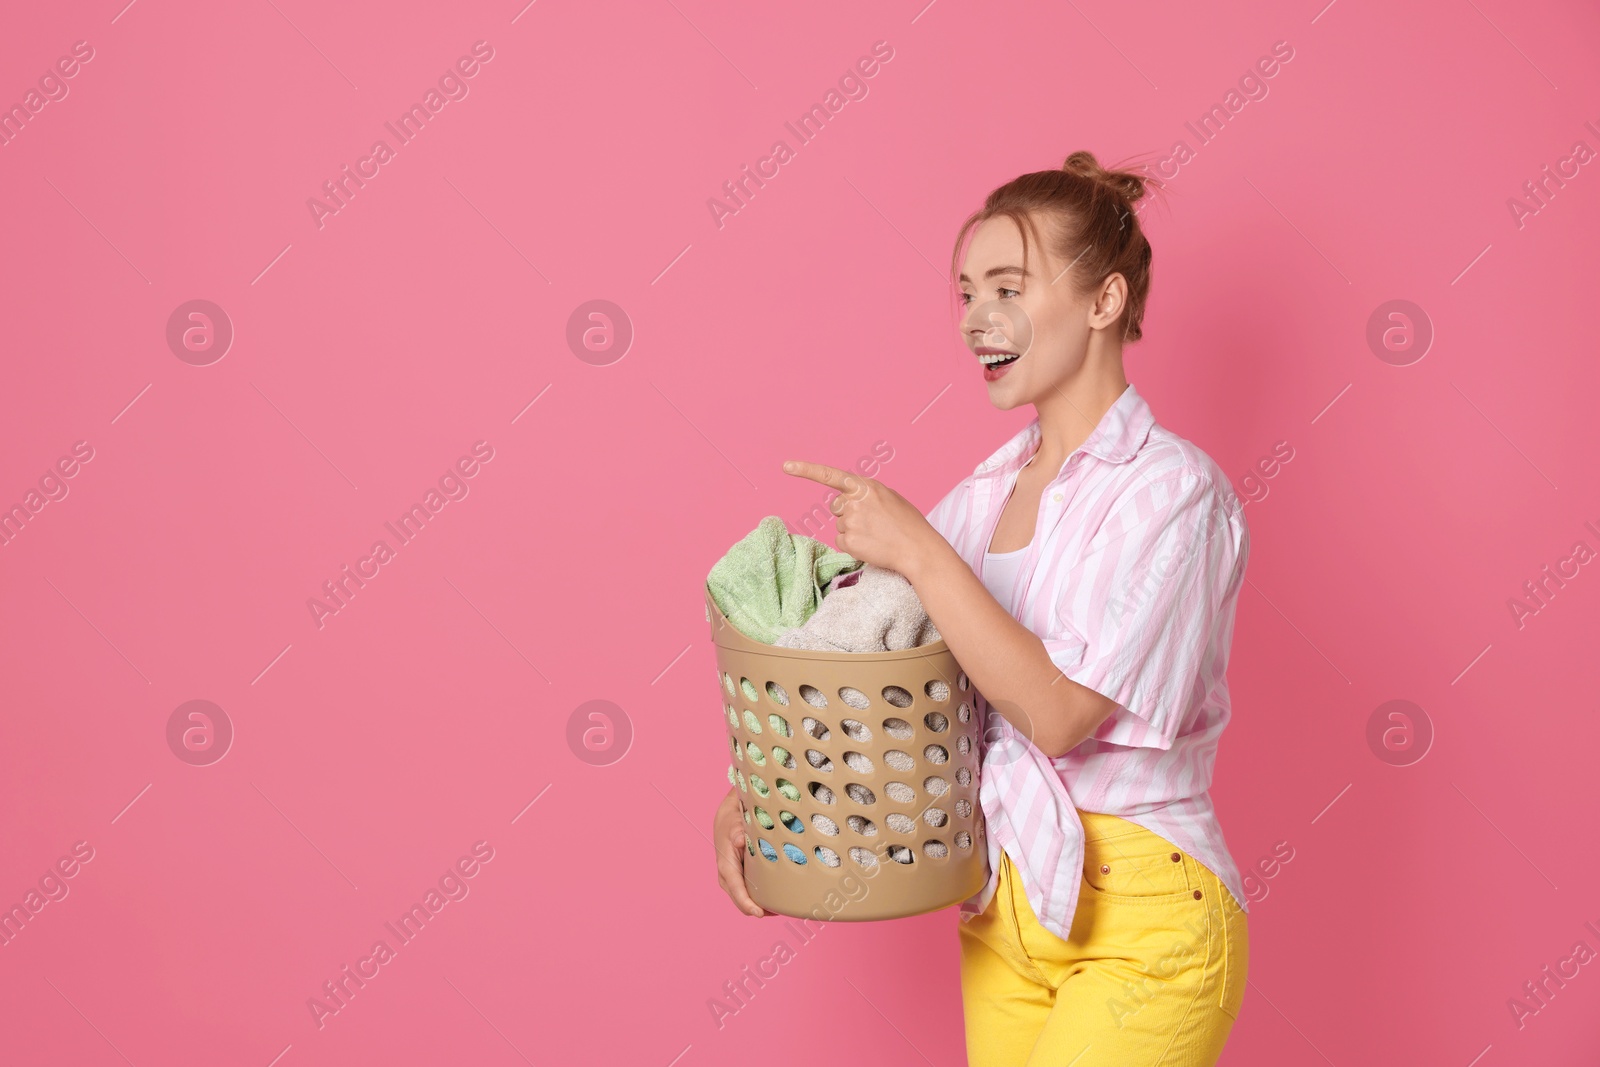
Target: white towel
<point>872,609</point>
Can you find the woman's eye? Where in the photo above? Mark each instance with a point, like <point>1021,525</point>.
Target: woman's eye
<point>1013,292</point>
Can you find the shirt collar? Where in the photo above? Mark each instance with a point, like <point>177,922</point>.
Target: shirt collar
<point>1117,438</point>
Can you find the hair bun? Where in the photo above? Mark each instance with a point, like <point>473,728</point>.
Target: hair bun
<point>1129,185</point>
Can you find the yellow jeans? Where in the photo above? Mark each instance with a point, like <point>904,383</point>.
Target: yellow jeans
<point>1153,973</point>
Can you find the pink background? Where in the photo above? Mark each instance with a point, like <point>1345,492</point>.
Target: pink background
<point>370,353</point>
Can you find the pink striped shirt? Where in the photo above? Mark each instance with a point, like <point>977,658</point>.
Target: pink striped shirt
<point>1131,582</point>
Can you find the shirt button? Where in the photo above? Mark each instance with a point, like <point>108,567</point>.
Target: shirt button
<point>1057,498</point>
<point>1176,857</point>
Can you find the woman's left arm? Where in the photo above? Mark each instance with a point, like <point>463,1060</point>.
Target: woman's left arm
<point>1005,660</point>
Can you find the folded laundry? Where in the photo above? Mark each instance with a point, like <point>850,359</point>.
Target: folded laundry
<point>870,609</point>
<point>771,581</point>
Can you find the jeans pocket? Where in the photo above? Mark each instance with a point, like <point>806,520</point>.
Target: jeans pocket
<point>1139,869</point>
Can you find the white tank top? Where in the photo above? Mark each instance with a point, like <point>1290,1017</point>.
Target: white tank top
<point>1000,574</point>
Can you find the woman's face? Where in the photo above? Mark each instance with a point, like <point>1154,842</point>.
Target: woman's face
<point>1036,316</point>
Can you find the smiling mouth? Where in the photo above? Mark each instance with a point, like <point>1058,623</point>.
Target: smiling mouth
<point>996,357</point>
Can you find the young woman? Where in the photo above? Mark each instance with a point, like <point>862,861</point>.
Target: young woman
<point>1085,576</point>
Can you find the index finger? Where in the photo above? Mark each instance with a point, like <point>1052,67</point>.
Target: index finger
<point>818,472</point>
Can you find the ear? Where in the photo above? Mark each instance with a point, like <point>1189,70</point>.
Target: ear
<point>1110,302</point>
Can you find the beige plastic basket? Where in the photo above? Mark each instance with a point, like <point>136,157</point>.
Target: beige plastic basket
<point>853,813</point>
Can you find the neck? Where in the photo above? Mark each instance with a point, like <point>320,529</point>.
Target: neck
<point>1069,412</point>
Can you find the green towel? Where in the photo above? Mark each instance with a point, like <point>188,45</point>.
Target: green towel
<point>771,581</point>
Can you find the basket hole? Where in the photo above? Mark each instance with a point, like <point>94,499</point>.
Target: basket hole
<point>854,697</point>
<point>963,839</point>
<point>825,825</point>
<point>751,723</point>
<point>963,713</point>
<point>751,693</point>
<point>827,856</point>
<point>727,683</point>
<point>767,850</point>
<point>898,729</point>
<point>782,755</point>
<point>742,787</point>
<point>900,793</point>
<point>900,854</point>
<point>822,793</point>
<point>936,721</point>
<point>792,822</point>
<point>963,809</point>
<point>935,817</point>
<point>747,823</point>
<point>731,779</point>
<point>858,763</point>
<point>759,785</point>
<point>748,847</point>
<point>900,824</point>
<point>899,761</point>
<point>763,818</point>
<point>864,857</point>
<point>961,681</point>
<point>899,697</point>
<point>963,744</point>
<point>779,724</point>
<point>936,754</point>
<point>813,696</point>
<point>794,853</point>
<point>789,790</point>
<point>778,693</point>
<point>819,761</point>
<point>862,825</point>
<point>963,776</point>
<point>733,716</point>
<point>860,793</point>
<point>935,786</point>
<point>816,728</point>
<point>937,850</point>
<point>855,731</point>
<point>938,690</point>
<point>758,757</point>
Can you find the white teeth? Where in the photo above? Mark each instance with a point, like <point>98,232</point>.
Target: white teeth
<point>990,358</point>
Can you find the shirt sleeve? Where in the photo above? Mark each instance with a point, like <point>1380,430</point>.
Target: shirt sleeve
<point>1135,616</point>
<point>950,512</point>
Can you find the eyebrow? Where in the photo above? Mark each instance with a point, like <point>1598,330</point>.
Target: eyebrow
<point>994,272</point>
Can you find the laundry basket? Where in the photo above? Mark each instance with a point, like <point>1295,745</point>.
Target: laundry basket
<point>858,776</point>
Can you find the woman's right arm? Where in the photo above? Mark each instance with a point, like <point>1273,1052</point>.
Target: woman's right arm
<point>728,834</point>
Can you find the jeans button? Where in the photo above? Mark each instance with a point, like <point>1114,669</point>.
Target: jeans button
<point>1176,857</point>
